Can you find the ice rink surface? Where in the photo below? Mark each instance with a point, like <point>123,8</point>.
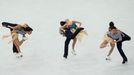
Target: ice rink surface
<point>43,50</point>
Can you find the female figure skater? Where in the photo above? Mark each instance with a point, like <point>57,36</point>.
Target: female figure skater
<point>108,40</point>
<point>15,30</point>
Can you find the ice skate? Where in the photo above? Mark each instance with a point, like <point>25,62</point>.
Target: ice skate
<point>73,52</point>
<point>108,58</point>
<point>19,55</point>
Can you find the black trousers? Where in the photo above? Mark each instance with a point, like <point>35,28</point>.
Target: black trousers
<point>69,36</point>
<point>15,50</point>
<point>7,24</point>
<point>125,37</point>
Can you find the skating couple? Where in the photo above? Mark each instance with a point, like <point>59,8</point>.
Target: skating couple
<point>115,36</point>
<point>16,29</point>
<point>72,30</point>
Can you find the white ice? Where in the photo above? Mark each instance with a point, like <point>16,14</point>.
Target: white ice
<point>43,50</point>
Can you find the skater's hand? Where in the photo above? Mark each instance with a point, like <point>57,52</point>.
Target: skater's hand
<point>115,41</point>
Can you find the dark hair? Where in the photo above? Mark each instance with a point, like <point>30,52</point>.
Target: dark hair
<point>113,28</point>
<point>111,24</point>
<point>28,29</point>
<point>62,23</point>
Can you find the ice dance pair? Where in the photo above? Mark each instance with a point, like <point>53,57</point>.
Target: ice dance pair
<point>16,29</point>
<point>72,30</point>
<point>115,36</point>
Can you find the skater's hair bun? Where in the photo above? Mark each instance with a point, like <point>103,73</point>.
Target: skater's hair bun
<point>62,23</point>
<point>111,24</point>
